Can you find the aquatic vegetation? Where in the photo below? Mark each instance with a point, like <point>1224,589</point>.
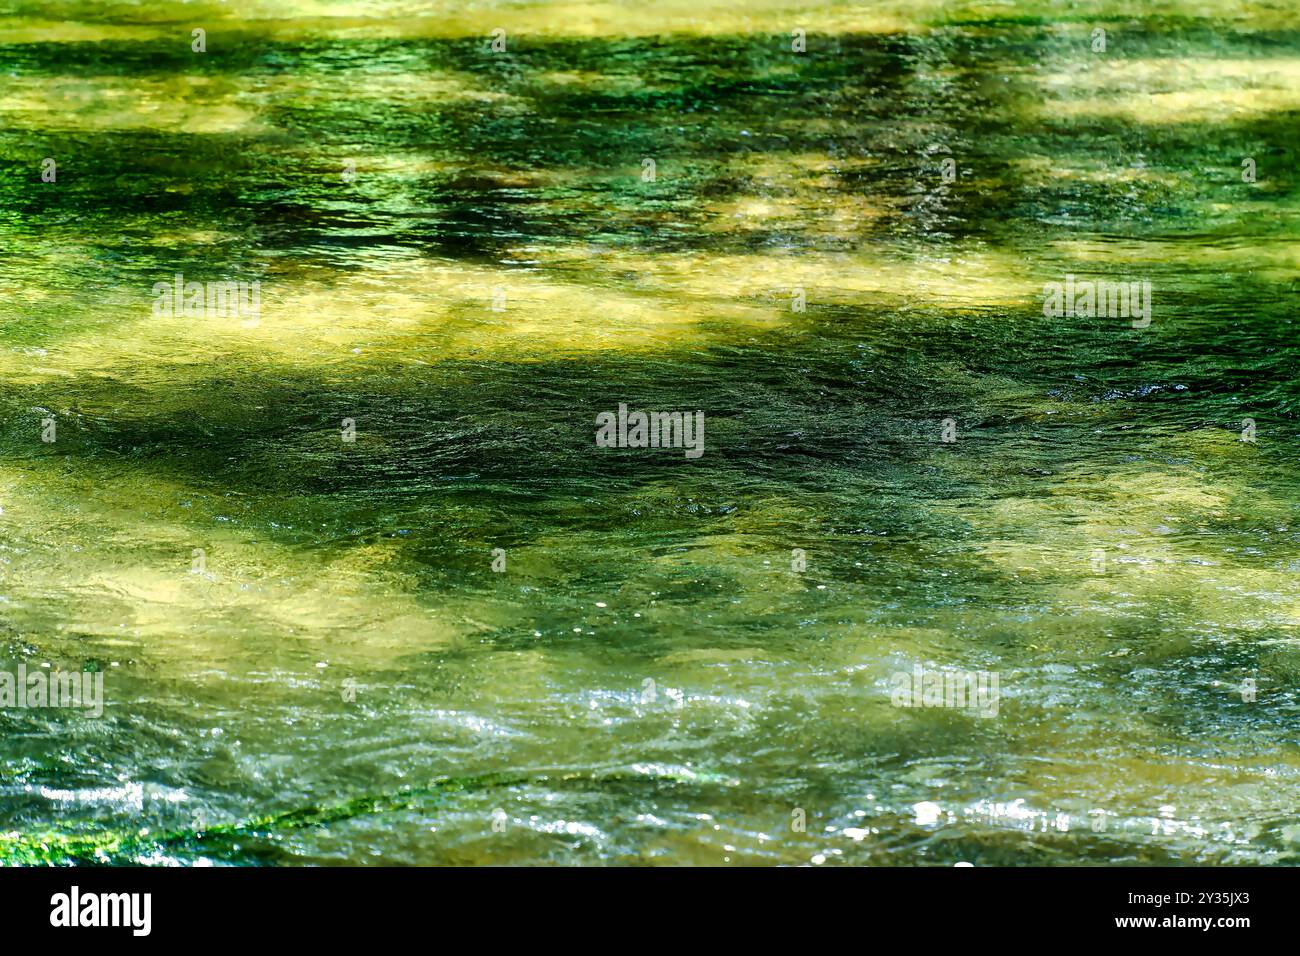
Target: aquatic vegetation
<point>363,581</point>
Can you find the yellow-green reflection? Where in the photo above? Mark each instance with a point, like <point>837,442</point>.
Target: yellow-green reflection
<point>460,254</point>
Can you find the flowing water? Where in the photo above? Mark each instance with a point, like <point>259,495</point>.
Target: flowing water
<point>307,655</point>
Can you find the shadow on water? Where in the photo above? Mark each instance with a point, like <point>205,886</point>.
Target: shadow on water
<point>370,560</point>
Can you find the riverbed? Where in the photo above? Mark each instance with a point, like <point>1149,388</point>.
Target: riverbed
<point>365,588</point>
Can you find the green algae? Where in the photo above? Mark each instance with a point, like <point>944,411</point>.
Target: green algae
<point>346,633</point>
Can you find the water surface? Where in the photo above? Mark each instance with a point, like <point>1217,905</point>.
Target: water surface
<point>308,656</point>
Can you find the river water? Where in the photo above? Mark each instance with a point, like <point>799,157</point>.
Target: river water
<point>361,586</point>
